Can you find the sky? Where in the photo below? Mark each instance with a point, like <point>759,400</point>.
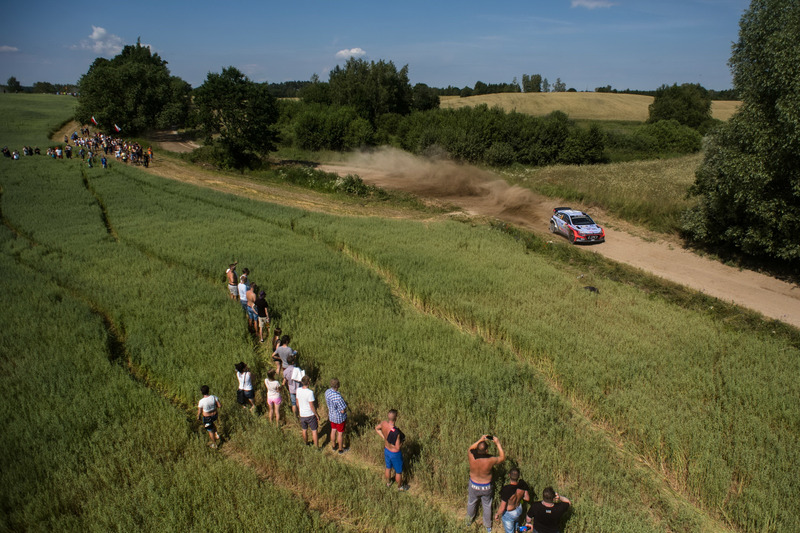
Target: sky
<point>636,44</point>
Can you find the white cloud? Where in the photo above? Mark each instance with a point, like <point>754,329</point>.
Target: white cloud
<point>592,4</point>
<point>101,42</point>
<point>6,48</point>
<point>343,54</point>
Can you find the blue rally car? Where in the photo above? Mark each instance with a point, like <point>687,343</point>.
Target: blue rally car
<point>577,226</point>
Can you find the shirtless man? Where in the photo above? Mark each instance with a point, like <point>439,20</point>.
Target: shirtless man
<point>207,412</point>
<point>480,478</point>
<point>393,438</point>
<point>252,314</point>
<point>233,286</point>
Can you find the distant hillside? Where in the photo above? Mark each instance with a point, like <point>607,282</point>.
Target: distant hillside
<point>581,106</point>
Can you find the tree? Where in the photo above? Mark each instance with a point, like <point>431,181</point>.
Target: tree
<point>749,182</point>
<point>241,112</point>
<point>545,86</point>
<point>43,87</point>
<point>371,88</point>
<point>424,98</point>
<point>134,90</point>
<point>13,85</point>
<point>559,86</point>
<point>689,104</point>
<point>316,92</point>
<point>532,83</point>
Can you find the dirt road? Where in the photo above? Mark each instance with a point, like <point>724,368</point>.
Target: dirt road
<point>481,193</point>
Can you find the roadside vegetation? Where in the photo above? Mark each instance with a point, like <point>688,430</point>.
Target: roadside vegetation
<point>465,329</point>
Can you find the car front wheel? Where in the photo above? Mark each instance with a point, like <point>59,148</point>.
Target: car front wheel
<point>552,227</point>
<point>572,237</point>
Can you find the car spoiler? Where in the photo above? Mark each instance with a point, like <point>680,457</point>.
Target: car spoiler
<point>557,209</point>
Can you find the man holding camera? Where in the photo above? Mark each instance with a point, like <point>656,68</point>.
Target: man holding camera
<point>480,478</point>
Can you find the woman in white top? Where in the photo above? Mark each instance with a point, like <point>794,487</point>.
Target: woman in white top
<point>273,396</point>
<point>245,394</point>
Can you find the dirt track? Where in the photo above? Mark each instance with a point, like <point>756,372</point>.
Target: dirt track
<point>481,193</point>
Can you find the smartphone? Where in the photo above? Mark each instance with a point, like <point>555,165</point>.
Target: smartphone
<point>489,437</point>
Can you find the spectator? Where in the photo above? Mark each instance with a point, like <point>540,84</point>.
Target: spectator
<point>337,415</point>
<point>480,478</point>
<point>273,396</point>
<point>243,287</point>
<point>276,339</point>
<point>545,515</point>
<point>393,439</point>
<point>309,419</point>
<point>282,353</point>
<point>262,315</point>
<point>232,278</point>
<point>252,314</point>
<point>245,395</point>
<point>207,409</point>
<point>511,498</point>
<point>290,383</point>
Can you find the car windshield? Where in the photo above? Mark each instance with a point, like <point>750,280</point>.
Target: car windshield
<point>582,221</point>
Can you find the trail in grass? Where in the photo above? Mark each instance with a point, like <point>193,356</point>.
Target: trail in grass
<point>548,376</point>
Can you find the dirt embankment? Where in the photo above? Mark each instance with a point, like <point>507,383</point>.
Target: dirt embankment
<point>481,193</point>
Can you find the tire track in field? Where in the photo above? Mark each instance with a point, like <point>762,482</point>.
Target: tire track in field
<point>670,487</point>
<point>99,201</point>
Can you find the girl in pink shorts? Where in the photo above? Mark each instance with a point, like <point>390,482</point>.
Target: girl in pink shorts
<point>273,396</point>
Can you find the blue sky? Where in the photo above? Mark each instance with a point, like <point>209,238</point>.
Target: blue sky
<point>637,44</point>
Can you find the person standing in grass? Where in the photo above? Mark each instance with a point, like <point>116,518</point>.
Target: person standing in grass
<point>245,394</point>
<point>545,515</point>
<point>252,314</point>
<point>290,383</point>
<point>232,278</point>
<point>262,314</point>
<point>207,409</point>
<point>393,439</point>
<point>511,498</point>
<point>309,419</point>
<point>243,287</point>
<point>337,414</point>
<point>276,340</point>
<point>480,478</point>
<point>282,353</point>
<point>273,397</point>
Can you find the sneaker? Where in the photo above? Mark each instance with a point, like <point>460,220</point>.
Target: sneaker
<point>308,444</point>
<point>334,448</point>
<point>468,521</point>
<point>213,445</point>
<point>343,451</point>
<point>403,488</point>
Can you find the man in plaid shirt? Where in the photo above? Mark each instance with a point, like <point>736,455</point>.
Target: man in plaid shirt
<point>337,414</point>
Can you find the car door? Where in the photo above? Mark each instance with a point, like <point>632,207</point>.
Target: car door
<point>563,221</point>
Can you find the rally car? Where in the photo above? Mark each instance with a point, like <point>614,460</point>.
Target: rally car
<point>577,226</point>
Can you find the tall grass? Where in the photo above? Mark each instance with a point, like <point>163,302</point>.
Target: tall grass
<point>650,193</point>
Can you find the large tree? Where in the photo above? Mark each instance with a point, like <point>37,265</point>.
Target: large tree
<point>134,90</point>
<point>241,112</point>
<point>373,89</point>
<point>749,182</point>
<point>689,104</point>
<point>13,85</point>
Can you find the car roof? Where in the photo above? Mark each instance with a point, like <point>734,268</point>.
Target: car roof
<point>571,212</point>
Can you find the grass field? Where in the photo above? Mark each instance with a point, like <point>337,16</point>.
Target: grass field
<point>649,193</point>
<point>650,416</point>
<point>579,106</point>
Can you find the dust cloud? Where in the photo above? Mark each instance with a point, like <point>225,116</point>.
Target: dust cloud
<point>477,191</point>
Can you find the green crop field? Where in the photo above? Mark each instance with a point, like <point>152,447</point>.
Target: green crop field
<point>651,416</point>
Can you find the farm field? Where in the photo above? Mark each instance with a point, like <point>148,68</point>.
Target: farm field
<point>457,325</point>
<point>579,106</point>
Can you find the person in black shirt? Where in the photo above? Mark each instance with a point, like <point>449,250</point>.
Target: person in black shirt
<point>511,498</point>
<point>546,514</point>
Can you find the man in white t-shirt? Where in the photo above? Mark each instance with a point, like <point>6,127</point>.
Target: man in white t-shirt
<point>309,419</point>
<point>207,409</point>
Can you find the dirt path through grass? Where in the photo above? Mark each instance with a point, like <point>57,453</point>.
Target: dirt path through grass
<point>483,194</point>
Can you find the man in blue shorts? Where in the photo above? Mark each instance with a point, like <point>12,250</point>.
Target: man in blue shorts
<point>480,478</point>
<point>393,439</point>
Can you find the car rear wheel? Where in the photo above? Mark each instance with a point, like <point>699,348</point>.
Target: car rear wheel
<point>572,236</point>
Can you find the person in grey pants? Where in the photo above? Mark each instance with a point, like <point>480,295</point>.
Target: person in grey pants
<point>480,478</point>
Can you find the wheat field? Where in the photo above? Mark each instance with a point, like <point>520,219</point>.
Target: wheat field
<point>579,106</point>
